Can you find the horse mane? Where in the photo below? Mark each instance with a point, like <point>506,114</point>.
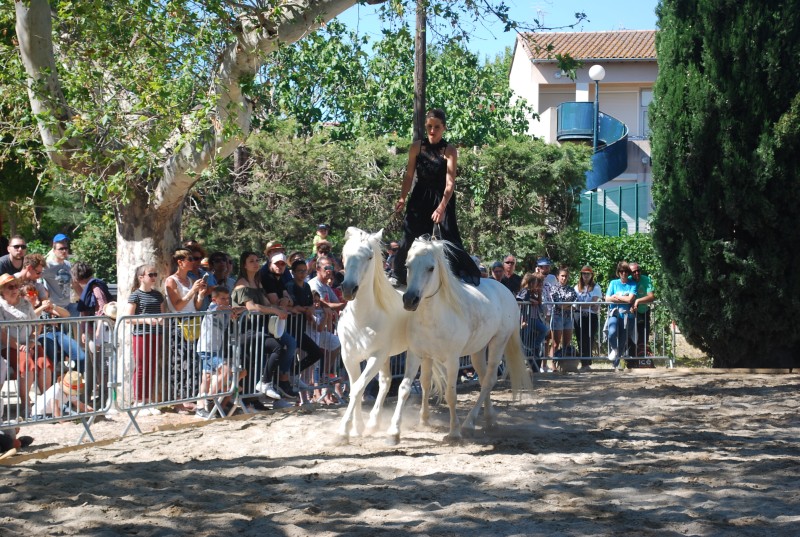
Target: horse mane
<point>451,287</point>
<point>383,290</point>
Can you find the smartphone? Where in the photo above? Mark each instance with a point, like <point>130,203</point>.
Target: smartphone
<point>205,277</point>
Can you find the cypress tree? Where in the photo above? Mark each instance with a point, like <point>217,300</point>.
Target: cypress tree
<point>726,151</point>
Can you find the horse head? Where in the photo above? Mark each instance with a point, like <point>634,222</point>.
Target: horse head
<point>426,271</point>
<point>359,257</point>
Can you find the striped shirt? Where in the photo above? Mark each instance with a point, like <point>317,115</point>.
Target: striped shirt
<point>147,303</point>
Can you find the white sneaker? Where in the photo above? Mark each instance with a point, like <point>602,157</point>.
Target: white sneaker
<point>612,355</point>
<point>268,389</point>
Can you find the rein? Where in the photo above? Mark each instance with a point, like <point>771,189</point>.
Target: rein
<point>434,293</point>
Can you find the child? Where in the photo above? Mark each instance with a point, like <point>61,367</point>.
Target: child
<point>320,235</point>
<point>211,347</point>
<point>63,397</point>
<point>147,338</point>
<point>321,332</point>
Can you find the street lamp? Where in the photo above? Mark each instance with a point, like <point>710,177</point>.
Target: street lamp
<point>596,73</point>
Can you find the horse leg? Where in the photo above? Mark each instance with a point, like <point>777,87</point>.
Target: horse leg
<point>384,382</point>
<point>454,436</point>
<point>487,384</point>
<point>412,365</point>
<point>351,364</point>
<point>425,385</point>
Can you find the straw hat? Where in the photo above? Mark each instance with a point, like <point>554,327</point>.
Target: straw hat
<point>73,383</point>
<point>110,310</point>
<point>6,278</point>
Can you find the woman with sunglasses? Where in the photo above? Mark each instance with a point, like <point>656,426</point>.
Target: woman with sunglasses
<point>28,360</point>
<point>185,294</point>
<point>622,294</point>
<point>588,324</point>
<point>146,338</point>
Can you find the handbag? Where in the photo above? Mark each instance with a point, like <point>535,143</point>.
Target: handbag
<point>190,328</point>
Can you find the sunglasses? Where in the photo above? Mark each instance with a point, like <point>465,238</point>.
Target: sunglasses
<point>510,262</point>
<point>586,273</point>
<point>635,271</point>
<point>327,267</point>
<point>152,274</point>
<point>62,249</point>
<point>197,258</point>
<point>11,286</point>
<point>19,246</point>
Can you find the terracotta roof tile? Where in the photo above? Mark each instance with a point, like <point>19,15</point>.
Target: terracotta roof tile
<point>619,45</point>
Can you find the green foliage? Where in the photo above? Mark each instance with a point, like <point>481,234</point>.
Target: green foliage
<point>328,81</point>
<point>97,246</point>
<point>725,145</point>
<point>520,196</point>
<point>603,253</point>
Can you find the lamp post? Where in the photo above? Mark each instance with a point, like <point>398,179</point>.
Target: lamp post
<point>596,73</point>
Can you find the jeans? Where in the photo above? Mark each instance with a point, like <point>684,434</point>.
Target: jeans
<point>290,350</point>
<point>619,326</point>
<point>58,344</point>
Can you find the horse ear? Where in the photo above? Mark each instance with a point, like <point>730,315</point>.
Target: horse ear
<point>351,232</point>
<point>379,234</point>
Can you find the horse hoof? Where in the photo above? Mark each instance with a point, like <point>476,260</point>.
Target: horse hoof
<point>392,439</point>
<point>341,440</point>
<point>453,440</point>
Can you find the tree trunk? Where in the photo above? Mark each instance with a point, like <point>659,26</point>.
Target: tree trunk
<point>420,71</point>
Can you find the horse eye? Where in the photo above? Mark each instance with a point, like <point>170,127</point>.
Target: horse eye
<point>430,269</point>
<point>370,258</point>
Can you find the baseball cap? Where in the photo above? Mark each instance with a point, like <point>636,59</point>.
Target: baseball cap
<point>60,238</point>
<point>497,264</point>
<point>543,262</point>
<point>323,226</point>
<point>278,257</point>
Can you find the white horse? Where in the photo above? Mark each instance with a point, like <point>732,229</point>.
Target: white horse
<point>454,319</point>
<point>373,327</point>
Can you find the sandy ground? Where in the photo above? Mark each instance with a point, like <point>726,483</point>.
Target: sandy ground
<point>601,453</point>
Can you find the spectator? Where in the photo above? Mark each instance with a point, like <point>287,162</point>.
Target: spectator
<point>619,325</point>
<point>321,234</point>
<point>322,285</point>
<point>299,325</point>
<point>645,294</point>
<point>294,256</point>
<point>27,359</point>
<point>57,342</point>
<point>588,323</point>
<point>212,348</point>
<point>62,398</point>
<point>92,302</point>
<point>562,323</point>
<point>325,249</point>
<point>510,279</point>
<point>497,271</point>
<point>11,263</point>
<point>534,329</point>
<point>198,255</point>
<point>32,268</point>
<point>391,251</point>
<point>57,276</point>
<point>483,271</point>
<point>219,272</point>
<point>94,291</point>
<point>543,265</point>
<point>249,293</point>
<point>184,294</point>
<point>146,338</point>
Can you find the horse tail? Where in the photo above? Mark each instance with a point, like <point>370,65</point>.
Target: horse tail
<point>438,379</point>
<point>516,364</point>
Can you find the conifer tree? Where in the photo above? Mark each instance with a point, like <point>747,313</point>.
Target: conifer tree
<point>726,148</point>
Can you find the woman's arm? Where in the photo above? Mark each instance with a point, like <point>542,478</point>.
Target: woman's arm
<point>409,176</point>
<point>195,294</point>
<point>258,308</point>
<point>451,154</point>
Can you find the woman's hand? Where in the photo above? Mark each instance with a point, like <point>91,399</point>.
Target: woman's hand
<point>438,215</point>
<point>398,207</point>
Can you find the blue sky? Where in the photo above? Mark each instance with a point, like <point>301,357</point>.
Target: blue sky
<point>488,41</point>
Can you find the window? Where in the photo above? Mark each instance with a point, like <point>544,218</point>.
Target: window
<point>645,98</point>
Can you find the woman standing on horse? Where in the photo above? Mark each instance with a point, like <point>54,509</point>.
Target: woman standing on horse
<point>432,205</point>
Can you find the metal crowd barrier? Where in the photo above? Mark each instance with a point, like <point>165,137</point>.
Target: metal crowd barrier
<point>649,336</point>
<point>61,372</point>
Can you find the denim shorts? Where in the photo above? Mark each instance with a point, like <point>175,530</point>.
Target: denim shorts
<point>210,363</point>
<point>561,322</point>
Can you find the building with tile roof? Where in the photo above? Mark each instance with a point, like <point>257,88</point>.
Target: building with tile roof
<point>629,60</point>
